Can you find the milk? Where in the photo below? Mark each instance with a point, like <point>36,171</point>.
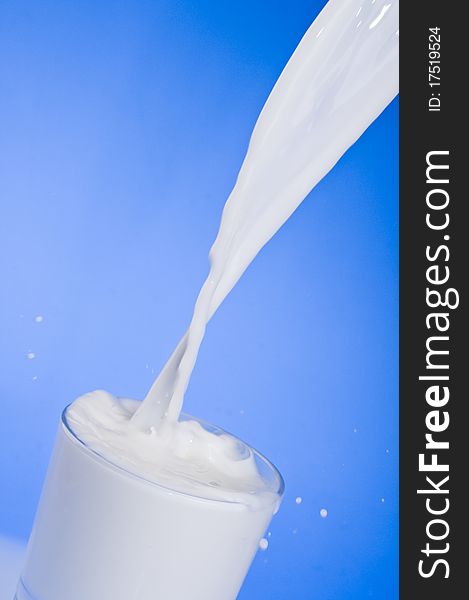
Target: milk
<point>104,533</point>
<point>139,502</point>
<point>339,79</point>
<point>188,456</point>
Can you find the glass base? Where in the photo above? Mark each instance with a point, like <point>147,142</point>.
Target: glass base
<point>22,593</point>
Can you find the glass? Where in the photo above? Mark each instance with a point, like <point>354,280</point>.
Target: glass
<point>104,533</point>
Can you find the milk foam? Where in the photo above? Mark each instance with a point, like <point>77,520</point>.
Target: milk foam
<point>185,456</point>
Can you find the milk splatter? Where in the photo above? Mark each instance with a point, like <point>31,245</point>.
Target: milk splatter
<point>263,544</point>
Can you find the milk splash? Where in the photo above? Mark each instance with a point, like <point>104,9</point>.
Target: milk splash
<point>339,79</point>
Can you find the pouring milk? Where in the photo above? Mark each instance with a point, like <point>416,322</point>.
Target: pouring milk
<point>141,502</point>
<point>339,79</point>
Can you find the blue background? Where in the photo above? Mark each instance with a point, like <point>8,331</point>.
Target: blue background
<point>123,126</point>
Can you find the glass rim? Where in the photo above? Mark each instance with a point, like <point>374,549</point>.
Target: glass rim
<point>127,472</point>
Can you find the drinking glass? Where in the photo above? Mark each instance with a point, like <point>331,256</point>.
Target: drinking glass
<point>104,533</point>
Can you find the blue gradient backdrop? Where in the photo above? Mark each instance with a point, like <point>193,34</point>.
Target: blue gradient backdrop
<point>123,125</point>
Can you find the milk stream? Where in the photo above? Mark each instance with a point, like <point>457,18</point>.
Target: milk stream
<point>340,78</point>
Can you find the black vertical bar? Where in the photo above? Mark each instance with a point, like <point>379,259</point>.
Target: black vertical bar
<point>431,120</point>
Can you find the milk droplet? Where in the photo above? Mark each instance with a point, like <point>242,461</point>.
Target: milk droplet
<point>382,499</point>
<point>323,512</point>
<point>30,355</point>
<point>263,544</point>
<point>299,500</point>
<point>39,319</point>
